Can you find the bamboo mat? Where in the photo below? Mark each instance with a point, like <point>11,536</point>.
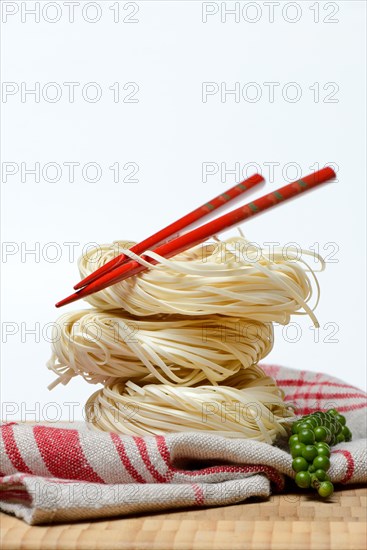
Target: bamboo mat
<point>292,521</point>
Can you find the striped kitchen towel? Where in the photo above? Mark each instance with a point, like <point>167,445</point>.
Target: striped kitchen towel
<point>53,472</point>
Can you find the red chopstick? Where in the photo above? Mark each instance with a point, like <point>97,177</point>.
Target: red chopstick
<point>174,227</point>
<point>201,234</point>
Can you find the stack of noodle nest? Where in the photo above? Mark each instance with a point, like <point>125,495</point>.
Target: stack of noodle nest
<point>176,348</point>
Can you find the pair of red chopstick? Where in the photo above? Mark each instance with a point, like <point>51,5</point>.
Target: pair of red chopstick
<point>122,266</point>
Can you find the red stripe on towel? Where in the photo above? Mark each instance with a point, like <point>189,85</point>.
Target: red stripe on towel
<point>271,472</point>
<point>341,408</point>
<point>298,382</point>
<point>142,448</point>
<point>199,494</point>
<point>63,454</point>
<point>319,395</point>
<point>120,448</point>
<point>12,450</point>
<point>350,464</point>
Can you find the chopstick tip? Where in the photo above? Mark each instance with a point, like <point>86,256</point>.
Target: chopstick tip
<point>326,173</point>
<point>68,300</point>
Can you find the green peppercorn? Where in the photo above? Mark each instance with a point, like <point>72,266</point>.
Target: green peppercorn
<point>320,433</point>
<point>297,449</point>
<point>303,479</point>
<point>306,436</point>
<point>322,444</point>
<point>321,475</point>
<point>310,452</point>
<point>321,462</point>
<point>341,419</point>
<point>347,433</point>
<point>295,427</point>
<point>293,439</point>
<point>312,422</point>
<point>323,451</point>
<point>299,464</point>
<point>326,489</point>
<point>304,426</point>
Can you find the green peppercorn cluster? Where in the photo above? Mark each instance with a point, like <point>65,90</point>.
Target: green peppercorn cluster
<point>313,435</point>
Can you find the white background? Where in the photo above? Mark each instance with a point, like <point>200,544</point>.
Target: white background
<point>169,133</point>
